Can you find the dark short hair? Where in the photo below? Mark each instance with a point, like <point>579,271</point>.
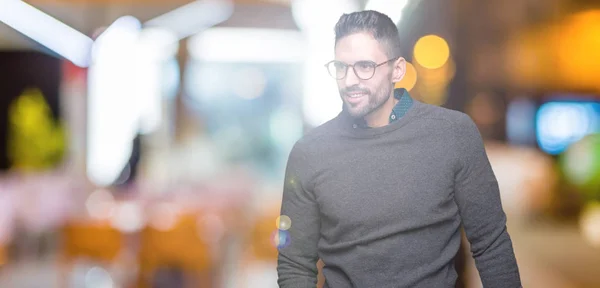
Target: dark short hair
<point>379,25</point>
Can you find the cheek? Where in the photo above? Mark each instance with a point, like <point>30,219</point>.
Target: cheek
<point>371,84</point>
<point>382,83</point>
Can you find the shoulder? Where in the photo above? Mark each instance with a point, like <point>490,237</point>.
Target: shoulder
<point>317,137</point>
<point>309,151</point>
<point>444,119</point>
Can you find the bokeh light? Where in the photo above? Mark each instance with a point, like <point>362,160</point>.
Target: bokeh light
<point>312,15</point>
<point>559,124</point>
<point>392,8</point>
<point>164,216</point>
<point>283,222</point>
<point>98,277</point>
<point>128,217</point>
<point>410,78</point>
<point>292,182</point>
<point>433,83</point>
<point>577,55</point>
<point>281,238</point>
<point>431,51</point>
<point>100,205</point>
<point>581,165</point>
<point>590,224</point>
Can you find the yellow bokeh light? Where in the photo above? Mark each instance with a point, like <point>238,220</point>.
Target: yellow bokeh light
<point>431,51</point>
<point>433,83</point>
<point>410,78</point>
<point>567,46</point>
<point>283,222</point>
<point>578,61</point>
<point>589,224</point>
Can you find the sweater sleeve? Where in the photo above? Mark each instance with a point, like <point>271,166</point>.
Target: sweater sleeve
<point>296,263</point>
<point>477,195</point>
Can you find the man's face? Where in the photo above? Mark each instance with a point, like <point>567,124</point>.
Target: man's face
<point>362,97</point>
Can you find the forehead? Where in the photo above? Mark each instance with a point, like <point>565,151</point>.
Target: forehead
<point>359,46</point>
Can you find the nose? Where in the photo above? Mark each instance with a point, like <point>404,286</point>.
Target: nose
<point>351,78</point>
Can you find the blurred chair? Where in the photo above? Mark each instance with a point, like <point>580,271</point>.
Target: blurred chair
<point>181,246</point>
<point>97,241</point>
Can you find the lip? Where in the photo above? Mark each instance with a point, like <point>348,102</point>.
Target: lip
<point>355,98</point>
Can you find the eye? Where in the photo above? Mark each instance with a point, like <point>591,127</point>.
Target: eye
<point>364,66</point>
<point>339,65</point>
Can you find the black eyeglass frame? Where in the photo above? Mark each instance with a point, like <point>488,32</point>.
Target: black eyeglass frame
<point>371,63</point>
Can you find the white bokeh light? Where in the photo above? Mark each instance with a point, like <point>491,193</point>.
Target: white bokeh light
<point>392,8</point>
<point>317,19</point>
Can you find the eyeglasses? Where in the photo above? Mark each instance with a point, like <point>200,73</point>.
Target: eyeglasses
<point>364,70</point>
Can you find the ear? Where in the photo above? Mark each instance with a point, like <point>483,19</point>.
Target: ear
<point>399,70</point>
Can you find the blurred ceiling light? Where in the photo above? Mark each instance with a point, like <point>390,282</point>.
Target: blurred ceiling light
<point>247,45</point>
<point>317,16</point>
<point>431,51</point>
<point>113,107</point>
<point>158,43</point>
<point>155,47</point>
<point>194,17</point>
<point>124,32</point>
<point>392,8</point>
<point>410,78</point>
<point>46,30</point>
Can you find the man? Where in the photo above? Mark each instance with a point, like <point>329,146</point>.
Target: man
<point>379,192</point>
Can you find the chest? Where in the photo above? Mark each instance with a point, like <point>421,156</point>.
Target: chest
<point>362,186</point>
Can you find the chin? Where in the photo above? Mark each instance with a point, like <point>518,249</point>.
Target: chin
<point>356,112</point>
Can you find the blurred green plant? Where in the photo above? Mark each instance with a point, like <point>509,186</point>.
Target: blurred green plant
<point>35,140</point>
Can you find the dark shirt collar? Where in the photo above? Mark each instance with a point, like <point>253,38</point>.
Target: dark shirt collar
<point>405,101</point>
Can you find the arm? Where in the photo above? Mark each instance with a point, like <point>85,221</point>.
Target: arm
<point>477,195</point>
<point>296,263</point>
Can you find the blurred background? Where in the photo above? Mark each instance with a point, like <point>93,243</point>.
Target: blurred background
<point>143,142</point>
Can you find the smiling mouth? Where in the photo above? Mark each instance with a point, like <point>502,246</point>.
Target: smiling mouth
<point>355,98</point>
<point>356,95</point>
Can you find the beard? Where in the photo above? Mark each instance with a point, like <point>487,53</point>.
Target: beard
<point>373,102</point>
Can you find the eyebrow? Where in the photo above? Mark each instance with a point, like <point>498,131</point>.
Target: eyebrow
<point>363,60</point>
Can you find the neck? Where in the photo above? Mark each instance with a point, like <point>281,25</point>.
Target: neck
<point>381,116</point>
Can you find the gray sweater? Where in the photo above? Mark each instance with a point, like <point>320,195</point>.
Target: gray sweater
<point>383,207</point>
